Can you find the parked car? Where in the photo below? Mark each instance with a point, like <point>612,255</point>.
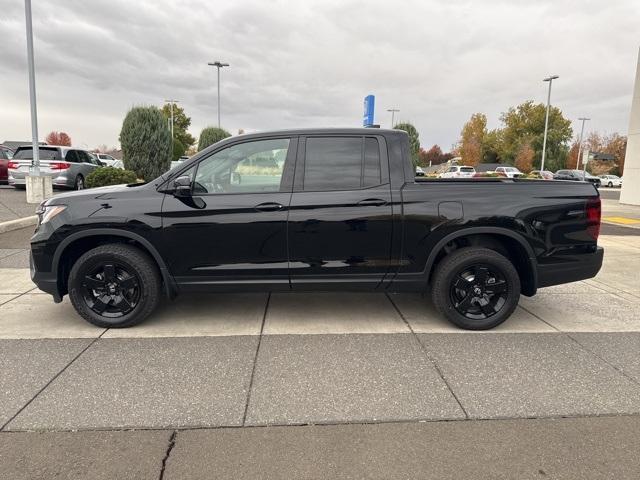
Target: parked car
<point>67,166</point>
<point>419,171</point>
<point>314,209</point>
<point>458,171</point>
<point>576,175</point>
<point>6,154</point>
<point>108,160</point>
<point>510,172</point>
<point>611,180</point>
<point>543,174</point>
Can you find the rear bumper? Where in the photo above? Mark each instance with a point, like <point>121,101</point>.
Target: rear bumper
<point>57,181</point>
<point>570,268</point>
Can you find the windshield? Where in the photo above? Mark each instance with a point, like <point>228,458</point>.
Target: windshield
<point>26,153</point>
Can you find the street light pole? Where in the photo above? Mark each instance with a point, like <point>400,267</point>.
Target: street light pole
<point>546,119</point>
<point>393,111</point>
<point>218,64</point>
<point>35,162</point>
<point>171,102</point>
<point>581,141</point>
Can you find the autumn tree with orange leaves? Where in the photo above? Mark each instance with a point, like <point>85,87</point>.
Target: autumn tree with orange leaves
<point>58,138</point>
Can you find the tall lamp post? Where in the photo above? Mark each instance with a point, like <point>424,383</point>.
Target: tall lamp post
<point>581,141</point>
<point>38,187</point>
<point>546,119</point>
<point>218,64</point>
<point>171,102</point>
<point>393,112</point>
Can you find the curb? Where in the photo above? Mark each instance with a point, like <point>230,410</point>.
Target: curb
<point>635,227</point>
<point>18,223</point>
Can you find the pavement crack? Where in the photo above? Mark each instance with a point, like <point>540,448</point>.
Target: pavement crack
<point>52,379</point>
<point>426,354</point>
<point>617,369</point>
<point>255,360</point>
<point>172,443</point>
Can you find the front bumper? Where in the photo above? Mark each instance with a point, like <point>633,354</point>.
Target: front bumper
<point>45,281</point>
<point>569,268</point>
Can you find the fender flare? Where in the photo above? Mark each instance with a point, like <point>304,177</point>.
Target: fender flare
<point>531,258</point>
<point>167,278</point>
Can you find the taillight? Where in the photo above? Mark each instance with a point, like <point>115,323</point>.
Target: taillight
<point>13,165</point>
<point>593,217</point>
<point>59,165</point>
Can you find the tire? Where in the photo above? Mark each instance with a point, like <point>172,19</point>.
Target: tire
<point>79,183</point>
<point>610,184</point>
<point>479,280</point>
<point>114,286</point>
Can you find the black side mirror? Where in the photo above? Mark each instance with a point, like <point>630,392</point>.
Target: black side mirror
<point>182,186</point>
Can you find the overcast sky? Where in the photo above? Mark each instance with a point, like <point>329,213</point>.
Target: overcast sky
<point>310,63</point>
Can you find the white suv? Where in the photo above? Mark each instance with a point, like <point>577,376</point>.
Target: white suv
<point>459,171</point>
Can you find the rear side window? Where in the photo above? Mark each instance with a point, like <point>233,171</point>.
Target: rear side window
<point>467,169</point>
<point>372,174</point>
<point>72,156</point>
<point>341,163</point>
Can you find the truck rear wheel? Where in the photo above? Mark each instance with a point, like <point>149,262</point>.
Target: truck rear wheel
<point>114,286</point>
<point>476,288</point>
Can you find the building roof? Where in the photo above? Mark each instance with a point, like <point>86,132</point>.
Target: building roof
<point>13,144</point>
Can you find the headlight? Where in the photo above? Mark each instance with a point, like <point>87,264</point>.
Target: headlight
<point>47,212</point>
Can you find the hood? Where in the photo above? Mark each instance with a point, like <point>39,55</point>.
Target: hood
<point>93,194</point>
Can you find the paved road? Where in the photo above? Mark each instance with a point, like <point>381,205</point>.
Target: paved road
<point>567,448</point>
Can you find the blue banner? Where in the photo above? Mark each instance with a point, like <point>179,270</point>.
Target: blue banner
<point>369,107</point>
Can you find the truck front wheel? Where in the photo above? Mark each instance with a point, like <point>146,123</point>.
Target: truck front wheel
<point>114,286</point>
<point>476,288</point>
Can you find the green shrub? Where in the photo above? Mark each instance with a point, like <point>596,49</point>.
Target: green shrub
<point>178,149</point>
<point>104,176</point>
<point>211,135</point>
<point>146,142</point>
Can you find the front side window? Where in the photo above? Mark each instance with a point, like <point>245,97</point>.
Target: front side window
<point>251,167</point>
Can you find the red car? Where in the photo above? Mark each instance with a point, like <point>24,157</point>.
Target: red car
<point>6,154</point>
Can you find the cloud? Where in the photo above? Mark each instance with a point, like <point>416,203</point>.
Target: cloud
<point>300,64</point>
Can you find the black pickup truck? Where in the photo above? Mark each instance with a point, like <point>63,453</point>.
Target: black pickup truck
<point>323,209</point>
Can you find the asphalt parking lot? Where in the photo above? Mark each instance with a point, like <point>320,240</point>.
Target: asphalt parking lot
<point>324,384</point>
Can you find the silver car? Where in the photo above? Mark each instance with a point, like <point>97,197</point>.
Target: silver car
<point>68,167</point>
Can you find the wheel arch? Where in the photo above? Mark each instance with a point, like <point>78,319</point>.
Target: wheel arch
<point>85,240</point>
<point>517,249</point>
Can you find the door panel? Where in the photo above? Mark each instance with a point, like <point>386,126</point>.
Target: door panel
<point>340,236</point>
<point>216,241</point>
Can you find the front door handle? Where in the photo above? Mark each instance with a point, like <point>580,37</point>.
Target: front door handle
<point>372,202</point>
<point>269,207</point>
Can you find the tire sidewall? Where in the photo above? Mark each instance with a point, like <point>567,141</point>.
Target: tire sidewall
<point>93,258</point>
<point>468,257</point>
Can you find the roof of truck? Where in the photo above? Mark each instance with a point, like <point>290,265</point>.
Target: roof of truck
<point>321,131</point>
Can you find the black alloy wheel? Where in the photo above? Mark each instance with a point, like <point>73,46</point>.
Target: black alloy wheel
<point>111,290</point>
<point>475,288</point>
<point>479,292</point>
<point>115,285</point>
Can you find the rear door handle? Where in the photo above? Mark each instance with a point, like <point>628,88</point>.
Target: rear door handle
<point>372,202</point>
<point>269,207</point>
